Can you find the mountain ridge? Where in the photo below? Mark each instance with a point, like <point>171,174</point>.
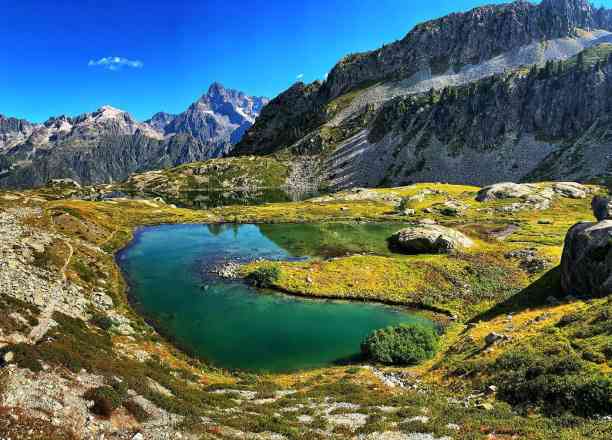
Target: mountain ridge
<point>431,49</point>
<point>81,147</point>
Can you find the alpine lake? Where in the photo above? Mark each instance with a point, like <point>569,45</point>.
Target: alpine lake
<point>232,325</point>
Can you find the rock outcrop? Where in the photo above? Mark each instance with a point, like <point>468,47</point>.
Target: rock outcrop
<point>506,190</point>
<point>586,265</point>
<point>428,238</point>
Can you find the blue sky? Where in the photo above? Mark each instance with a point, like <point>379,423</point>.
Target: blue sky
<point>58,57</point>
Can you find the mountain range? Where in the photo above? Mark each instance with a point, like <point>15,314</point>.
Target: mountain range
<point>516,91</point>
<point>501,92</point>
<point>108,145</point>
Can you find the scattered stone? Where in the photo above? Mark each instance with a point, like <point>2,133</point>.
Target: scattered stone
<point>229,270</point>
<point>421,419</point>
<point>8,357</point>
<point>426,238</point>
<point>352,420</point>
<point>306,419</point>
<point>138,436</point>
<point>530,262</point>
<point>64,183</point>
<point>493,338</point>
<point>393,435</point>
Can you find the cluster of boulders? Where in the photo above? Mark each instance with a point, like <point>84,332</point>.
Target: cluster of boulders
<point>531,195</point>
<point>586,265</point>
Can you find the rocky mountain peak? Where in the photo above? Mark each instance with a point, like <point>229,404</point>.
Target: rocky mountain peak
<point>216,89</point>
<point>109,112</point>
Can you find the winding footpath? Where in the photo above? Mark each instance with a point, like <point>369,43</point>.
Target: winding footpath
<point>44,321</point>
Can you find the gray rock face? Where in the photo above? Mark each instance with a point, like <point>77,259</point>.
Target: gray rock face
<point>432,48</point>
<point>602,208</point>
<point>13,131</point>
<point>428,239</point>
<point>586,265</point>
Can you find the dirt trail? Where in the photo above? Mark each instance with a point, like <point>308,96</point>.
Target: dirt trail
<point>44,320</point>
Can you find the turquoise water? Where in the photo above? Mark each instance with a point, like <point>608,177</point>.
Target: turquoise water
<point>230,324</point>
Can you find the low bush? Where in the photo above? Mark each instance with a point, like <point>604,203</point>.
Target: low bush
<point>401,345</point>
<point>264,277</point>
<point>137,411</point>
<point>102,321</point>
<point>107,399</point>
<point>558,384</point>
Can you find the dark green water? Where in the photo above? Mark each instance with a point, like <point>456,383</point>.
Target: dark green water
<point>229,323</point>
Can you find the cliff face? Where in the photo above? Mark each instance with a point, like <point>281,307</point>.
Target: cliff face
<point>527,125</point>
<point>13,131</point>
<point>453,50</point>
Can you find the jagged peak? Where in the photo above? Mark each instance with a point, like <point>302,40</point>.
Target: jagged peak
<point>109,109</point>
<point>216,89</point>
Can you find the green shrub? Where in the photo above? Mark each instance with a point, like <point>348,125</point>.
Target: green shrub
<point>404,204</point>
<point>85,272</point>
<point>401,345</point>
<point>558,384</point>
<point>24,355</point>
<point>102,321</point>
<point>264,277</point>
<point>137,411</point>
<point>107,399</point>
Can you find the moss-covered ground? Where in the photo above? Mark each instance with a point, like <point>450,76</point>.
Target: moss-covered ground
<point>484,288</point>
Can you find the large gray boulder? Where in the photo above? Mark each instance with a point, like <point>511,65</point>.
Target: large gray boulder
<point>428,239</point>
<point>505,190</point>
<point>571,190</point>
<point>586,265</point>
<point>602,208</point>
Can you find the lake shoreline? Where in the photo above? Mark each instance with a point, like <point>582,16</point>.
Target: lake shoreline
<point>138,308</point>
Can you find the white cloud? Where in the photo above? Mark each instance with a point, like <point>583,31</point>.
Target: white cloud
<point>300,77</point>
<point>115,63</point>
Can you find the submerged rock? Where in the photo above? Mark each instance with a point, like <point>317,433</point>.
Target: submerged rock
<point>428,238</point>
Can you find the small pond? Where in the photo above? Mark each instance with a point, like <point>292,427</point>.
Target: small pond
<point>232,325</point>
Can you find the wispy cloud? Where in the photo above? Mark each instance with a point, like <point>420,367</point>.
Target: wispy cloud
<point>115,63</point>
<point>300,77</point>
